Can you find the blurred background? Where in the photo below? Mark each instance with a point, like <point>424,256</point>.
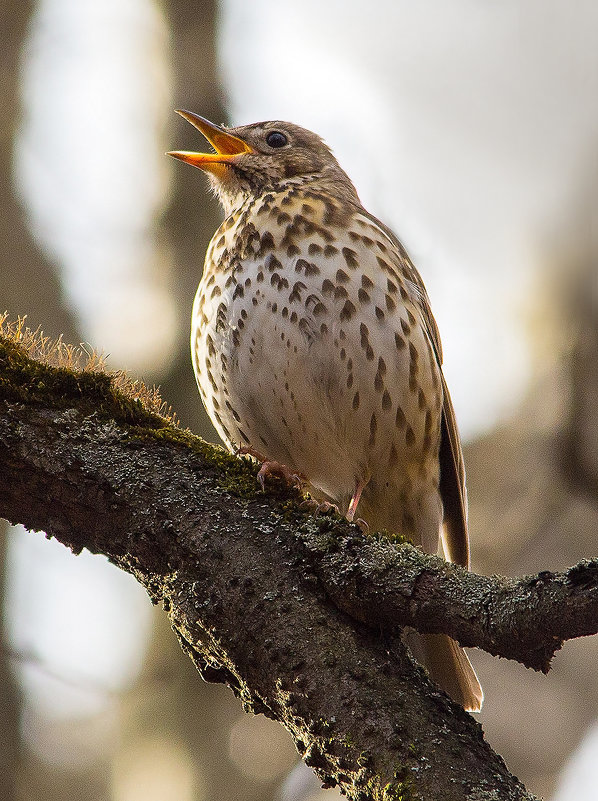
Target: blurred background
<point>470,127</point>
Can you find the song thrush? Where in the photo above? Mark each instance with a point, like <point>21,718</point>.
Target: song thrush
<point>313,343</point>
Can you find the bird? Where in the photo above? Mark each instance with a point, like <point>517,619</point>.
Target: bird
<point>315,350</point>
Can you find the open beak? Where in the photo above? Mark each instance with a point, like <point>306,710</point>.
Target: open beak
<point>226,145</point>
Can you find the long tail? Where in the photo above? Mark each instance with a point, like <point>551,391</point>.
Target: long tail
<point>449,667</point>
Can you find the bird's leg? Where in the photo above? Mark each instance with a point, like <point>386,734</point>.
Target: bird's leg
<point>359,485</point>
<point>326,506</point>
<point>272,469</point>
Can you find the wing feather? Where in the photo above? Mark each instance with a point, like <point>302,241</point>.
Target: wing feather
<point>455,539</point>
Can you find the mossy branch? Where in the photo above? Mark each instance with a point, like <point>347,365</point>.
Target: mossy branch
<point>255,588</point>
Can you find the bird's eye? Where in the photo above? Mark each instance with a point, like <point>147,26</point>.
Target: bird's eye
<point>276,139</point>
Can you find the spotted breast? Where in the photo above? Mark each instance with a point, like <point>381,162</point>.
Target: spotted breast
<point>313,343</point>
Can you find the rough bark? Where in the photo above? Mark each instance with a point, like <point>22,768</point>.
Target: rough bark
<point>296,614</point>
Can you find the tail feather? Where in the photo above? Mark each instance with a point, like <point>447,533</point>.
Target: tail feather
<point>448,665</point>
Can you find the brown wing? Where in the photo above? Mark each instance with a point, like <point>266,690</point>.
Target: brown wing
<point>455,540</point>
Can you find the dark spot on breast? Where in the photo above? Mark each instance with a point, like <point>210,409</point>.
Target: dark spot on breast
<point>379,313</point>
<point>373,429</point>
<point>298,287</point>
<point>409,437</point>
<point>393,457</point>
<point>428,423</point>
<point>292,250</point>
<point>329,251</point>
<point>386,401</point>
<point>390,304</point>
<point>350,257</point>
<point>363,296</point>
<point>340,292</point>
<point>349,380</point>
<point>364,332</point>
<point>239,292</point>
<point>421,400</point>
<point>283,218</point>
<point>405,327</point>
<point>411,317</point>
<point>342,277</point>
<point>266,243</point>
<point>356,401</point>
<point>272,263</point>
<point>400,419</point>
<point>314,249</point>
<point>279,282</point>
<point>354,236</point>
<point>327,287</point>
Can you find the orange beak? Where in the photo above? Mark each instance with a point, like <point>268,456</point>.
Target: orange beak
<point>227,146</point>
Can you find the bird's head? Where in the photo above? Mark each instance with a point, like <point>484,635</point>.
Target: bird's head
<point>257,158</point>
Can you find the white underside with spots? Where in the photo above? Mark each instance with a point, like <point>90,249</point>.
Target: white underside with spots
<point>307,358</point>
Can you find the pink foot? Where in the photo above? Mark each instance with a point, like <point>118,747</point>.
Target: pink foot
<point>272,469</point>
<point>318,508</point>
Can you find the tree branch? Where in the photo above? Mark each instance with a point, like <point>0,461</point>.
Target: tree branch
<point>525,619</point>
<point>285,608</point>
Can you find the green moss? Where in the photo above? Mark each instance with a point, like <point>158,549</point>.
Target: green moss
<point>388,536</point>
<point>399,790</point>
<point>26,380</point>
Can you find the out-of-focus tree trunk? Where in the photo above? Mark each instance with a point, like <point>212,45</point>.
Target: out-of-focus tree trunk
<point>169,701</point>
<point>533,488</point>
<point>193,215</point>
<point>25,272</point>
